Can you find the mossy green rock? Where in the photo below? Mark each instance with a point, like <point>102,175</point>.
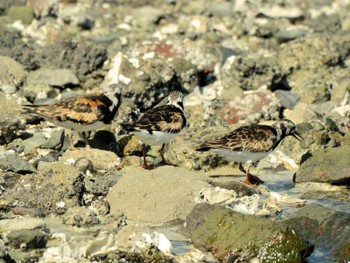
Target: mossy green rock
<point>31,237</point>
<point>22,13</point>
<point>331,165</point>
<point>226,233</point>
<point>326,228</point>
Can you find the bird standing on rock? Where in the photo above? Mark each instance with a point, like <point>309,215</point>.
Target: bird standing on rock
<point>81,113</point>
<point>248,144</point>
<point>159,125</point>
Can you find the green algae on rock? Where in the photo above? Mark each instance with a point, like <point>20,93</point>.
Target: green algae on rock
<point>227,234</point>
<point>326,228</point>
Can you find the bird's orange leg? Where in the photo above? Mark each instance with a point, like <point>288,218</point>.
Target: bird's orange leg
<point>250,179</point>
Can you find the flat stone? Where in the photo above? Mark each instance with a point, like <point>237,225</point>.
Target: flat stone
<point>8,225</point>
<point>19,165</point>
<point>38,139</point>
<point>52,77</point>
<point>161,195</point>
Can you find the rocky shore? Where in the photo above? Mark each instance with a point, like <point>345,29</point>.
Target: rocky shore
<point>238,63</point>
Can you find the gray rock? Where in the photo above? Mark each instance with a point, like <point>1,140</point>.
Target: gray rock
<point>9,225</point>
<point>80,217</point>
<point>52,77</point>
<point>10,125</point>
<point>83,164</point>
<point>29,238</point>
<point>19,165</point>
<point>38,139</point>
<point>12,45</point>
<point>288,35</point>
<point>55,139</point>
<point>164,77</point>
<point>231,235</point>
<point>326,228</point>
<point>21,13</point>
<point>98,184</point>
<point>224,9</point>
<point>153,16</point>
<point>44,8</point>
<point>12,75</point>
<point>82,58</point>
<point>287,99</point>
<point>53,189</point>
<point>330,165</point>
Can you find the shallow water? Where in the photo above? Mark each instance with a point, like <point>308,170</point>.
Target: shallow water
<point>334,197</point>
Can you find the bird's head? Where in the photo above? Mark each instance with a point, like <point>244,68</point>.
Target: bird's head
<point>286,128</point>
<point>176,98</point>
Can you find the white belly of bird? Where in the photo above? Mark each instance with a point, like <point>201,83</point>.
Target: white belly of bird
<point>79,127</point>
<point>154,138</point>
<point>241,157</point>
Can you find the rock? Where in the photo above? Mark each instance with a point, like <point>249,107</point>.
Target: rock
<point>224,9</point>
<point>19,165</point>
<point>38,139</point>
<point>12,75</point>
<point>82,58</point>
<point>12,45</point>
<point>287,99</point>
<point>33,93</point>
<point>301,113</point>
<point>101,207</point>
<point>100,184</point>
<point>173,191</point>
<point>288,35</point>
<point>9,225</point>
<point>83,164</point>
<point>10,125</point>
<point>153,16</point>
<point>22,13</point>
<point>277,11</point>
<point>53,189</point>
<point>230,234</point>
<point>326,228</point>
<point>44,8</point>
<point>52,77</point>
<point>29,238</point>
<point>55,139</point>
<point>101,160</point>
<point>329,165</point>
<point>80,217</point>
<point>326,23</point>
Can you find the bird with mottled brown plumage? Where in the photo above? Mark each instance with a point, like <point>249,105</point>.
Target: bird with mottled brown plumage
<point>249,144</point>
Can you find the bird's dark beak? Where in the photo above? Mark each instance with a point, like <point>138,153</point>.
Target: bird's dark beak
<point>297,136</point>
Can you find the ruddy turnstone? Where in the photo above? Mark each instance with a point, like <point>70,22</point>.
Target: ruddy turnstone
<point>159,125</point>
<point>82,113</point>
<point>249,144</point>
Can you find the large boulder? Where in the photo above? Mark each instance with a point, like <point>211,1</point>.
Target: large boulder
<point>331,165</point>
<point>161,195</point>
<point>230,235</point>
